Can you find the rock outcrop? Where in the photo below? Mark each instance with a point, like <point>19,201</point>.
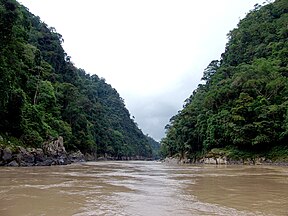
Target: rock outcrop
<point>52,152</point>
<point>76,157</point>
<point>55,150</point>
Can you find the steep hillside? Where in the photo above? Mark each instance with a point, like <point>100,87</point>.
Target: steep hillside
<point>242,108</point>
<point>43,95</point>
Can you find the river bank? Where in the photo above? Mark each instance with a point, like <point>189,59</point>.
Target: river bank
<point>52,152</point>
<point>225,161</point>
<point>230,156</point>
<point>276,156</point>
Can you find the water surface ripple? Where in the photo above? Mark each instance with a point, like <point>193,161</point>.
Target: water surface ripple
<point>143,188</point>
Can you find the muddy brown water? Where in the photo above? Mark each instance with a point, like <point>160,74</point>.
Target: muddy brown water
<point>143,188</point>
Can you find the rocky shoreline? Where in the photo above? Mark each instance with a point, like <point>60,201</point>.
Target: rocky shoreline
<point>52,152</point>
<point>225,161</point>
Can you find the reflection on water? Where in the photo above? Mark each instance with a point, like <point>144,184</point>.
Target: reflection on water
<point>143,188</point>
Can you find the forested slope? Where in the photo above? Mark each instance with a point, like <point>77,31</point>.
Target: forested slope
<point>43,95</point>
<point>241,107</point>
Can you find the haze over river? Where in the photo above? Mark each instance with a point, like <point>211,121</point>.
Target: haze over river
<point>143,188</point>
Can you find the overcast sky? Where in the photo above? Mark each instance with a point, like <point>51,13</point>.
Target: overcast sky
<point>152,51</point>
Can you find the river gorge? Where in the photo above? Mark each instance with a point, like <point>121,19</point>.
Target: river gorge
<point>141,188</point>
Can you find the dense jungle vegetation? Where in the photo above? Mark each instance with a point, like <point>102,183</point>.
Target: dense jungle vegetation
<point>43,95</point>
<point>241,107</point>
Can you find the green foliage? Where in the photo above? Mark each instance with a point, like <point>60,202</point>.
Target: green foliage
<point>43,95</point>
<point>155,147</point>
<point>243,103</point>
<point>279,153</point>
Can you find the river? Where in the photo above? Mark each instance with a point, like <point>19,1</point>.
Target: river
<point>143,188</point>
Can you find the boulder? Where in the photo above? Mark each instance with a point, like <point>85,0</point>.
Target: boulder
<point>39,155</point>
<point>210,161</point>
<point>54,147</point>
<point>6,154</point>
<point>221,160</point>
<point>25,157</point>
<point>55,150</point>
<point>215,160</point>
<point>13,164</point>
<point>52,152</point>
<point>89,157</point>
<point>46,162</point>
<point>171,160</point>
<point>76,157</point>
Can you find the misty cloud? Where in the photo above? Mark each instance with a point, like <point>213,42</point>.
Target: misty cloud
<point>152,113</point>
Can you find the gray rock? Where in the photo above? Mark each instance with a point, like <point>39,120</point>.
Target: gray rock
<point>7,154</point>
<point>25,157</point>
<point>46,162</point>
<point>63,161</point>
<point>39,155</point>
<point>54,148</point>
<point>76,157</point>
<point>89,157</point>
<point>13,164</point>
<point>53,153</point>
